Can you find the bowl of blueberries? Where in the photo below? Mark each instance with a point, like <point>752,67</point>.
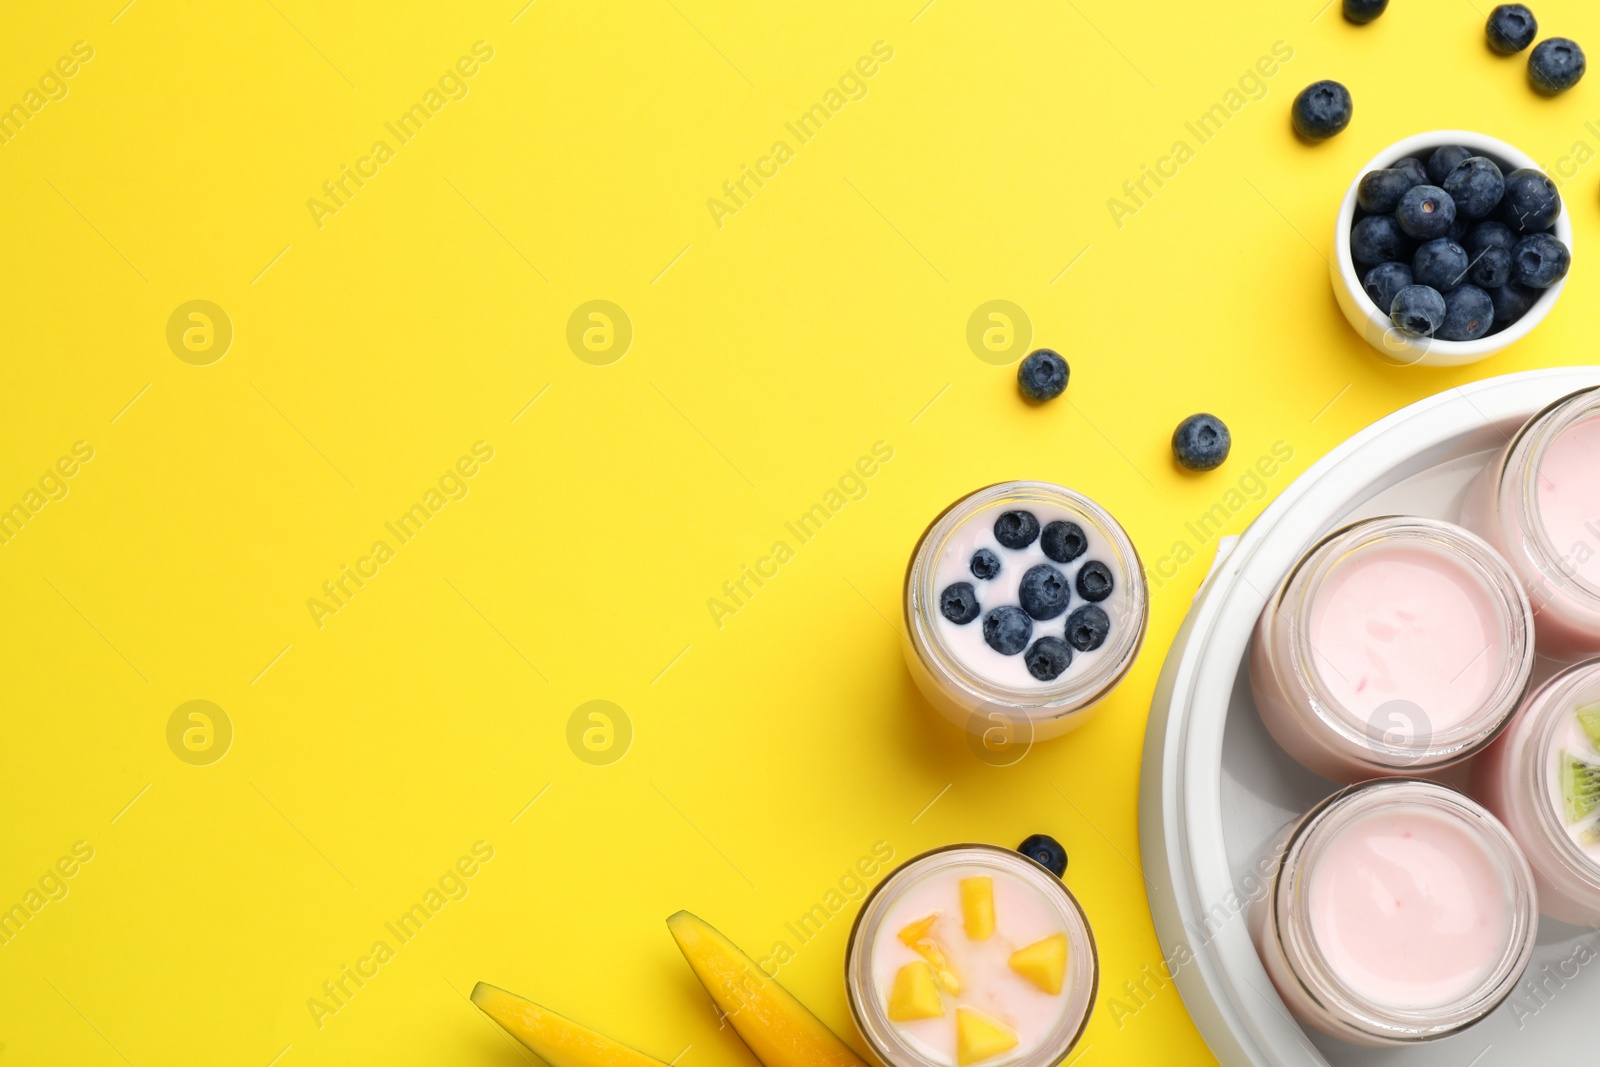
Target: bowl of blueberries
<point>1449,247</point>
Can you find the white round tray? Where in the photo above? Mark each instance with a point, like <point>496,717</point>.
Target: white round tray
<point>1215,787</point>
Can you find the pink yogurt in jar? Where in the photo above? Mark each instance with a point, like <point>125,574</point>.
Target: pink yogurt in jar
<point>1394,646</point>
<point>1538,503</point>
<point>1400,911</point>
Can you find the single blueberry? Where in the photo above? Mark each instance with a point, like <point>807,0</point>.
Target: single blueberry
<point>1047,852</point>
<point>1440,264</point>
<point>1007,630</point>
<point>1063,541</point>
<point>1044,592</point>
<point>1042,375</point>
<point>1477,186</point>
<point>1200,443</point>
<point>1016,529</point>
<point>1512,28</point>
<point>1532,202</point>
<point>1539,261</point>
<point>1468,314</point>
<point>1362,12</point>
<point>1094,581</point>
<point>1425,212</point>
<point>1380,190</point>
<point>959,603</point>
<point>1048,657</point>
<point>1412,168</point>
<point>1384,281</point>
<point>1418,309</point>
<point>1555,65</point>
<point>1444,160</point>
<point>1511,302</point>
<point>1321,110</point>
<point>1087,628</point>
<point>985,564</point>
<point>1488,235</point>
<point>1491,268</point>
<point>1379,239</point>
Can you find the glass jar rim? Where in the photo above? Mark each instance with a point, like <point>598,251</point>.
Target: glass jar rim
<point>1083,956</point>
<point>1516,488</point>
<point>1550,703</point>
<point>1308,964</point>
<point>1319,562</point>
<point>1047,702</point>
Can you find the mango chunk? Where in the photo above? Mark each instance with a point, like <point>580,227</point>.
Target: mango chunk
<point>979,1037</point>
<point>915,994</point>
<point>914,932</point>
<point>778,1029</point>
<point>559,1042</point>
<point>977,907</point>
<point>917,937</point>
<point>1044,963</point>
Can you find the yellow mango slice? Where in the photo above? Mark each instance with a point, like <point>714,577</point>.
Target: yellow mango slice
<point>777,1027</point>
<point>1044,963</point>
<point>977,907</point>
<point>979,1037</point>
<point>916,936</point>
<point>915,994</point>
<point>559,1042</point>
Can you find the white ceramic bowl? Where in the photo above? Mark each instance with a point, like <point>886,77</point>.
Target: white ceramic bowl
<point>1392,343</point>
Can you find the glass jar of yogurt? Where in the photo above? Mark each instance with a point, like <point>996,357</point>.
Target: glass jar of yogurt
<point>1399,911</point>
<point>971,954</point>
<point>1542,778</point>
<point>1394,646</point>
<point>1025,604</point>
<point>1538,502</point>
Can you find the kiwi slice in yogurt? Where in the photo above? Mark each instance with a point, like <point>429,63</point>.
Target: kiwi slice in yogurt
<point>1589,719</point>
<point>1580,787</point>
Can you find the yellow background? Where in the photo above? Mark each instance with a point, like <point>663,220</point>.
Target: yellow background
<point>768,354</point>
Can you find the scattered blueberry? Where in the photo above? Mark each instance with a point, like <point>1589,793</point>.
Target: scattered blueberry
<point>1087,628</point>
<point>1418,309</point>
<point>1200,443</point>
<point>1385,280</point>
<point>1094,581</point>
<point>1440,264</point>
<point>1063,541</point>
<point>1512,28</point>
<point>1412,168</point>
<point>1042,375</point>
<point>1444,160</point>
<point>1048,657</point>
<point>1380,190</point>
<point>1555,65</point>
<point>1539,261</point>
<point>1491,268</point>
<point>1489,235</point>
<point>1532,202</point>
<point>1477,186</point>
<point>959,603</point>
<point>1511,302</point>
<point>1468,314</point>
<point>1321,110</point>
<point>1047,852</point>
<point>1425,212</point>
<point>1016,529</point>
<point>1362,12</point>
<point>1379,239</point>
<point>1007,630</point>
<point>985,564</point>
<point>1044,592</point>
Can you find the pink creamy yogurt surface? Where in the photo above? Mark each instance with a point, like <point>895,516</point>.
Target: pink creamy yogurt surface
<point>1022,916</point>
<point>1568,497</point>
<point>1406,621</point>
<point>1408,908</point>
<point>955,565</point>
